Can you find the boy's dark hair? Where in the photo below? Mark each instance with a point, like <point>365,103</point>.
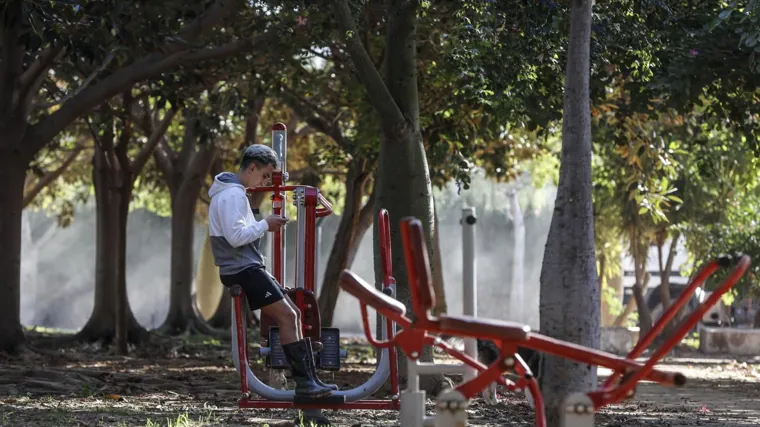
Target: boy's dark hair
<point>259,154</point>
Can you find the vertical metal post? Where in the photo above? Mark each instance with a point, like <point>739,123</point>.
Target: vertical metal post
<point>412,412</point>
<point>311,195</point>
<point>469,281</point>
<point>279,200</point>
<point>317,249</point>
<point>280,145</point>
<point>300,202</point>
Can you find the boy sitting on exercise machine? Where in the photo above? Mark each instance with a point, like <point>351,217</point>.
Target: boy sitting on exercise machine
<point>235,235</point>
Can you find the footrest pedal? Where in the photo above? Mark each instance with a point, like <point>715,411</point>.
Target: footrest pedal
<point>276,358</point>
<point>329,357</point>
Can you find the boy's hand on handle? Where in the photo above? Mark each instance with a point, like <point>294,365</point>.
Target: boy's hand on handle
<point>275,222</point>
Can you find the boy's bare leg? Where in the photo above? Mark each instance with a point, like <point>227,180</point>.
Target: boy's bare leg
<point>299,331</point>
<point>297,350</point>
<point>311,346</point>
<point>282,312</point>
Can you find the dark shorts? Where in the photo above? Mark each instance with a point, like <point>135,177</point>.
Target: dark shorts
<point>259,286</point>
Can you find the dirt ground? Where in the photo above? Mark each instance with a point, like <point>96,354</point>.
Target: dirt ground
<point>192,382</point>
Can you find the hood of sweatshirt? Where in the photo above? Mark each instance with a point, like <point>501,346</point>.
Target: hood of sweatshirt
<point>224,181</point>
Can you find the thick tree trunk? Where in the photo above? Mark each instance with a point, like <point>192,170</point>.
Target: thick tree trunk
<point>339,254</point>
<point>12,175</point>
<point>403,179</point>
<point>569,290</point>
<point>187,181</point>
<point>101,326</point>
<point>182,260</point>
<point>120,203</point>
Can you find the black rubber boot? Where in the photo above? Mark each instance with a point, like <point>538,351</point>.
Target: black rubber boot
<point>313,367</point>
<point>301,362</point>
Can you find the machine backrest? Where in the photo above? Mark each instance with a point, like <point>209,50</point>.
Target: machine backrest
<point>417,266</point>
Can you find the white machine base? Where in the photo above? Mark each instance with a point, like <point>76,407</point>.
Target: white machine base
<point>451,409</point>
<point>412,412</point>
<point>579,411</point>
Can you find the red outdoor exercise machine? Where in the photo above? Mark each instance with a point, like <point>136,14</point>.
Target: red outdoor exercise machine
<point>451,404</point>
<point>310,205</point>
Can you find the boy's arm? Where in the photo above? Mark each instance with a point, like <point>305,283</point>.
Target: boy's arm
<point>233,211</point>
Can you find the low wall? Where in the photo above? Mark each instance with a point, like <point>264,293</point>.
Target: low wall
<point>733,341</point>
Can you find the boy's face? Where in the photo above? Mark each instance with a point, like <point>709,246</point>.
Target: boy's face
<point>258,176</point>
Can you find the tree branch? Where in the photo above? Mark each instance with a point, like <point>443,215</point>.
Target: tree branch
<point>32,78</point>
<point>12,55</point>
<point>155,137</point>
<point>164,161</point>
<point>81,87</point>
<point>313,115</point>
<point>191,33</point>
<point>150,66</point>
<point>51,176</point>
<point>391,117</point>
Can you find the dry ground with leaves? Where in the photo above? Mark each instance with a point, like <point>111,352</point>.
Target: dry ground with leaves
<point>192,382</point>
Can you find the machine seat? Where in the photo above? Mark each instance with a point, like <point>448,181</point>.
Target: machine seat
<point>367,294</point>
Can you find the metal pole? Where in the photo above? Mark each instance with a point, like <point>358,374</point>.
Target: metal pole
<point>300,202</point>
<point>280,145</point>
<point>279,202</point>
<point>317,249</point>
<point>469,281</point>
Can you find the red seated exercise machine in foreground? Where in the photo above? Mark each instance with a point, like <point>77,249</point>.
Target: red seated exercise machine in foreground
<point>580,407</point>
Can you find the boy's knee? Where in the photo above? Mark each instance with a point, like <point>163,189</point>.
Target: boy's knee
<point>289,315</point>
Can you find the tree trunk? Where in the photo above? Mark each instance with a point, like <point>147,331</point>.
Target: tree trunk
<point>438,283</point>
<point>403,179</point>
<point>664,277</point>
<point>186,186</point>
<point>121,199</point>
<point>628,309</point>
<point>101,326</point>
<point>366,219</point>
<point>665,295</point>
<point>182,260</point>
<point>12,175</point>
<point>639,254</point>
<point>339,254</point>
<point>252,122</point>
<point>569,304</point>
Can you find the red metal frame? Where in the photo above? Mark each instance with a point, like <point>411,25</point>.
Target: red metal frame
<point>310,195</point>
<point>409,339</point>
<point>389,282</point>
<point>312,200</point>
